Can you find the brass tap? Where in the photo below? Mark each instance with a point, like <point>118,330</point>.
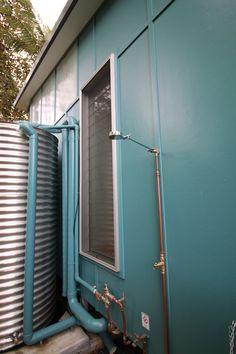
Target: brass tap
<point>101,297</point>
<point>161,264</point>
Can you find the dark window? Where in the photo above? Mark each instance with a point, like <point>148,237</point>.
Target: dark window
<point>97,211</point>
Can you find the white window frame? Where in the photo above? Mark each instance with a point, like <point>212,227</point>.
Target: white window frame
<point>116,266</point>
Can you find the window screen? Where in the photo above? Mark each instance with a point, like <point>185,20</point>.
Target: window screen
<point>97,177</point>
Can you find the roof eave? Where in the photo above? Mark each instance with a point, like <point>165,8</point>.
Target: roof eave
<point>74,17</point>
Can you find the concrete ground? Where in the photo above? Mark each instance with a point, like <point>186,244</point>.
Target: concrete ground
<point>73,341</point>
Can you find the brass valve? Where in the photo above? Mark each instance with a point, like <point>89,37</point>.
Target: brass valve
<point>160,265</point>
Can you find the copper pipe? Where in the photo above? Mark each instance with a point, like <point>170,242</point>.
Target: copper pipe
<point>110,325</point>
<point>159,204</point>
<point>111,298</point>
<point>106,301</point>
<point>126,341</point>
<point>116,135</point>
<point>162,264</point>
<point>100,297</point>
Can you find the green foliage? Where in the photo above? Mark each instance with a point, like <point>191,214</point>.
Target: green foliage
<point>21,38</point>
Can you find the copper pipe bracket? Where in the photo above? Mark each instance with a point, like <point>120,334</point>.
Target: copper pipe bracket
<point>154,150</point>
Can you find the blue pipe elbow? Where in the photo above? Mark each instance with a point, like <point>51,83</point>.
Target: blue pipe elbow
<point>43,333</point>
<point>28,129</point>
<point>91,324</point>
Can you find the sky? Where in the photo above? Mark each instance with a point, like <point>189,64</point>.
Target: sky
<point>48,10</point>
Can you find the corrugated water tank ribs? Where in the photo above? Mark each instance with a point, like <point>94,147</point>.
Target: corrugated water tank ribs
<point>14,154</point>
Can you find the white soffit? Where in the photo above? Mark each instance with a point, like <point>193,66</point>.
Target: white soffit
<point>74,17</point>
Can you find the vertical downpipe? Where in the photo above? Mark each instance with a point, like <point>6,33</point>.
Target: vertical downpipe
<point>64,209</point>
<point>30,233</point>
<point>88,322</point>
<point>76,201</point>
<point>104,335</point>
<point>162,263</point>
<point>71,290</point>
<point>29,336</point>
<point>78,279</point>
<point>80,314</point>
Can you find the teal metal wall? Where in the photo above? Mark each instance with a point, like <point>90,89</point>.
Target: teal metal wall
<point>122,27</point>
<point>176,89</point>
<point>196,52</point>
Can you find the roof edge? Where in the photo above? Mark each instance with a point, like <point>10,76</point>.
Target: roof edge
<point>74,17</point>
<point>43,52</point>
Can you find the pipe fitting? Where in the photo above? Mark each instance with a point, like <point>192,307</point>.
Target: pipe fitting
<point>100,297</point>
<point>91,324</point>
<point>15,337</point>
<point>120,302</point>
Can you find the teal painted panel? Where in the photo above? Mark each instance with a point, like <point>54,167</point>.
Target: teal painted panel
<point>88,273</point>
<point>196,51</point>
<point>86,55</point>
<point>142,285</point>
<point>159,5</point>
<point>117,23</point>
<point>143,288</point>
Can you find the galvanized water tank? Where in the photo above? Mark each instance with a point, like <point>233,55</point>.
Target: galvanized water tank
<point>14,154</point>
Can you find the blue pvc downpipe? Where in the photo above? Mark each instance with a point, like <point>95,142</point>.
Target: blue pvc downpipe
<point>80,314</point>
<point>64,209</point>
<point>88,322</point>
<point>53,127</point>
<point>29,336</point>
<point>78,279</point>
<point>30,232</point>
<point>49,331</point>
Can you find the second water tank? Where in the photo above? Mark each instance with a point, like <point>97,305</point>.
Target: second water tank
<point>14,158</point>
